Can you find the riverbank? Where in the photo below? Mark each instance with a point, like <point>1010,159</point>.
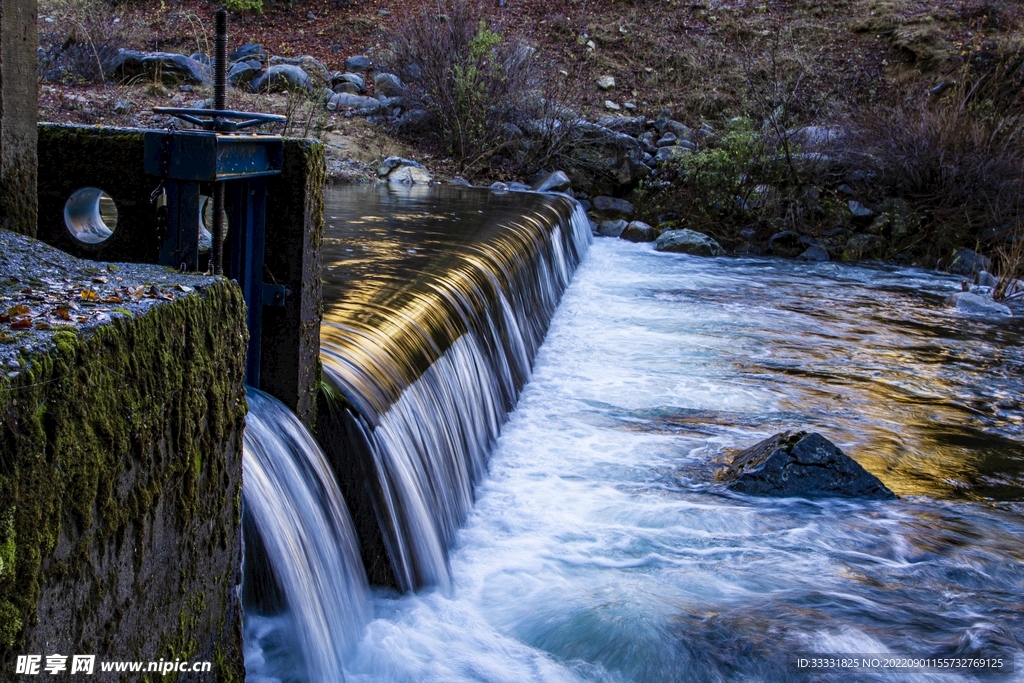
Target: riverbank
<point>873,129</point>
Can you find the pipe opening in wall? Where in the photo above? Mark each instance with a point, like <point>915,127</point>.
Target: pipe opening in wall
<point>90,215</point>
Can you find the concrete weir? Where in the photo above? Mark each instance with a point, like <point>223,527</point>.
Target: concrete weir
<point>124,409</point>
<point>120,460</point>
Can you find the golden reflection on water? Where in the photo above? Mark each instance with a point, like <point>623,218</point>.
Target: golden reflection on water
<point>922,399</point>
<point>401,285</point>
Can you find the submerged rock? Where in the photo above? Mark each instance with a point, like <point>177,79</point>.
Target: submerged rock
<point>688,242</point>
<point>804,465</point>
<point>975,304</point>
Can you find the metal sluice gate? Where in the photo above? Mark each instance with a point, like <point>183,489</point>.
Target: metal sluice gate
<point>237,166</point>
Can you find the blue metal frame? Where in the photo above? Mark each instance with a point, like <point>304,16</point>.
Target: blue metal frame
<point>243,163</point>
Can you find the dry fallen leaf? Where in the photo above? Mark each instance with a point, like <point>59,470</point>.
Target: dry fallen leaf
<point>21,324</point>
<point>89,295</point>
<point>136,292</point>
<point>42,326</point>
<point>112,299</point>
<point>100,279</point>
<point>62,313</point>
<point>20,309</point>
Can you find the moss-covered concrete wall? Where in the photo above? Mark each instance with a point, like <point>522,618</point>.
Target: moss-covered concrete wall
<point>120,475</point>
<point>73,157</point>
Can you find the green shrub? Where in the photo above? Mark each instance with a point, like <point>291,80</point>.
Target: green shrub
<point>469,76</point>
<point>244,5</point>
<point>718,177</point>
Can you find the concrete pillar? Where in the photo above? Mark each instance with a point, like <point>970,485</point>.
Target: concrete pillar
<point>290,361</point>
<point>18,115</point>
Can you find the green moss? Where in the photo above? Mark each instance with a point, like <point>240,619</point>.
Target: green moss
<point>105,428</point>
<point>66,342</point>
<point>10,624</point>
<point>223,669</point>
<point>7,545</point>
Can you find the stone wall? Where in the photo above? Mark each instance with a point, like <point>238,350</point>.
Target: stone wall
<point>120,466</point>
<point>18,114</point>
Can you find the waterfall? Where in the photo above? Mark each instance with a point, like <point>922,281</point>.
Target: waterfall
<point>305,591</point>
<point>429,367</point>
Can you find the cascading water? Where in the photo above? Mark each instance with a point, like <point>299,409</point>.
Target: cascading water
<point>601,549</point>
<point>305,591</point>
<point>429,343</point>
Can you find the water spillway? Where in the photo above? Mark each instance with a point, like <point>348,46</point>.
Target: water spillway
<point>431,322</point>
<point>305,593</point>
<point>599,547</point>
<point>601,550</point>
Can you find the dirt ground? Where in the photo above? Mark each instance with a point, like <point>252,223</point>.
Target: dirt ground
<point>703,60</point>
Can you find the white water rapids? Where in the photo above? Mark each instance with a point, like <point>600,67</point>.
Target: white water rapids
<point>599,549</point>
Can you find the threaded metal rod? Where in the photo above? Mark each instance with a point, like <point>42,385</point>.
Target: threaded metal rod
<point>220,70</point>
<point>220,59</point>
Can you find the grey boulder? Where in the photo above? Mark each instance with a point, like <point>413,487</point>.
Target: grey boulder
<point>612,206</point>
<point>281,78</point>
<point>612,228</point>
<point>814,254</point>
<point>638,231</point>
<point>557,181</point>
<point>361,104</point>
<point>314,68</point>
<point>358,63</point>
<point>974,304</point>
<point>170,68</point>
<point>969,262</point>
<point>388,85</point>
<point>391,163</point>
<point>802,465</point>
<point>248,51</point>
<point>241,73</point>
<point>337,77</point>
<point>687,241</point>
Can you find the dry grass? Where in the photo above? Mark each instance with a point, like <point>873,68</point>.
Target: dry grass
<point>958,159</point>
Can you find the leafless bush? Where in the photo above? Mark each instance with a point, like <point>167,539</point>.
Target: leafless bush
<point>959,161</point>
<point>81,37</point>
<point>474,81</point>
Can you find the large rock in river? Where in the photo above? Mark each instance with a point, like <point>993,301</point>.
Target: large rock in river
<point>688,242</point>
<point>802,465</point>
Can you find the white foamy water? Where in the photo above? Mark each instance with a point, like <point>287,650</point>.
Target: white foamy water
<point>600,548</point>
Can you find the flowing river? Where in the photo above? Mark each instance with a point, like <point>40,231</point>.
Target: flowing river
<point>601,548</point>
